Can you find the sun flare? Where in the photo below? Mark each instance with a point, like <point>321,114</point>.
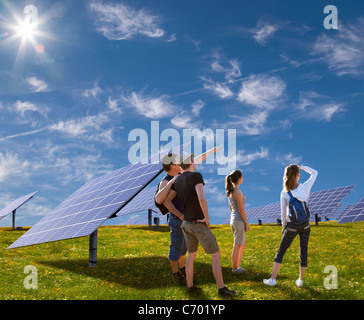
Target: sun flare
<point>25,31</point>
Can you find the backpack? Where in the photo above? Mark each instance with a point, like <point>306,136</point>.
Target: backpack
<point>162,208</point>
<point>298,210</point>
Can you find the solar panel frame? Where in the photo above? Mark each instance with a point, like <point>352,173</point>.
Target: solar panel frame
<point>89,206</point>
<point>16,204</point>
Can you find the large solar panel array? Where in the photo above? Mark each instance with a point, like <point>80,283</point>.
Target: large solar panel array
<point>97,200</point>
<point>325,202</point>
<point>355,213</point>
<point>16,204</point>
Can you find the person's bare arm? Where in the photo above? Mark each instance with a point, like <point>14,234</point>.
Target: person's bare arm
<point>202,157</point>
<point>164,188</point>
<point>203,203</point>
<point>169,205</point>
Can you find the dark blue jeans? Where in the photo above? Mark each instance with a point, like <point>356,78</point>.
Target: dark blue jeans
<point>178,246</point>
<point>290,232</point>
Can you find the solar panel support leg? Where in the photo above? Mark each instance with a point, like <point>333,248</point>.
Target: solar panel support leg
<point>149,218</point>
<point>13,226</point>
<point>93,249</point>
<point>316,219</point>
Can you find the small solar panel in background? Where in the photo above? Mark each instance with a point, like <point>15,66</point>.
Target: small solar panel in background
<point>16,204</point>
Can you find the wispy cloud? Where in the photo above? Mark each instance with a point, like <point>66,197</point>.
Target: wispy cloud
<point>93,92</point>
<point>259,94</point>
<point>312,105</point>
<point>289,158</point>
<point>263,31</point>
<point>244,159</point>
<point>23,134</point>
<point>231,70</point>
<point>37,84</point>
<point>88,127</point>
<point>11,165</point>
<point>23,106</point>
<point>262,91</point>
<point>226,71</point>
<point>113,105</point>
<point>251,124</point>
<point>121,22</point>
<point>150,107</point>
<point>343,51</point>
<point>183,121</point>
<point>186,119</point>
<point>197,106</point>
<point>222,90</point>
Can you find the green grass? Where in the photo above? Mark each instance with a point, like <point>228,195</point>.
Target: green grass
<point>133,264</point>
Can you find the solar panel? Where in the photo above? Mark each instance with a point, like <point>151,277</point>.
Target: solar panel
<point>343,212</point>
<point>271,212</point>
<point>326,201</point>
<point>253,213</point>
<point>16,204</point>
<point>141,202</point>
<point>331,215</point>
<point>97,200</point>
<point>355,213</point>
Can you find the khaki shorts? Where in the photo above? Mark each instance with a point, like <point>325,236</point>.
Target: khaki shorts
<point>238,229</point>
<point>197,232</point>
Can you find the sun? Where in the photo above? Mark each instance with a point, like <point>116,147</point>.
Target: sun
<point>25,30</point>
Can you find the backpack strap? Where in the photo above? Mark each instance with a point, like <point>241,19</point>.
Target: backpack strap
<point>291,196</point>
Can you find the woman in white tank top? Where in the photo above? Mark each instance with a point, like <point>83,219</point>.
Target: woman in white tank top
<point>238,221</point>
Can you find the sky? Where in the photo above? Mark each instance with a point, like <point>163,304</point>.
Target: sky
<point>88,73</point>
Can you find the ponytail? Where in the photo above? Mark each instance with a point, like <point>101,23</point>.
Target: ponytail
<point>289,177</point>
<point>230,181</point>
<point>228,185</point>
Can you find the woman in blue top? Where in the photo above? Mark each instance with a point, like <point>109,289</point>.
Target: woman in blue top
<point>238,221</point>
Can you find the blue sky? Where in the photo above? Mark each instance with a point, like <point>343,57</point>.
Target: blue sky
<point>95,70</point>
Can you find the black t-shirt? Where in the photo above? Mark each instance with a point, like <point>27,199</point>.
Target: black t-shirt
<point>176,201</point>
<point>185,188</point>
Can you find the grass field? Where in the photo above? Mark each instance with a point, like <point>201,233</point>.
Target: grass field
<point>133,264</point>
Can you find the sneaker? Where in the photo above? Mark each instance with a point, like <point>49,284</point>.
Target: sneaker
<point>179,278</point>
<point>270,282</point>
<point>194,291</point>
<point>299,282</point>
<point>182,271</point>
<point>225,292</point>
<point>239,270</point>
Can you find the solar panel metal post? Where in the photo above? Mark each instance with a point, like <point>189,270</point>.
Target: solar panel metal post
<point>156,222</point>
<point>13,227</point>
<point>150,218</point>
<point>93,249</point>
<point>316,219</point>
